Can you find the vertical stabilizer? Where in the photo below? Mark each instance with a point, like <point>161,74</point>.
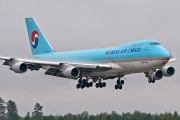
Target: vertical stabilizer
<point>38,42</point>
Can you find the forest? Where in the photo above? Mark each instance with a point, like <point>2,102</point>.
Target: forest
<point>9,111</point>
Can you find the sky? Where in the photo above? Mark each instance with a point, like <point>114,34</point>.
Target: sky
<point>86,24</point>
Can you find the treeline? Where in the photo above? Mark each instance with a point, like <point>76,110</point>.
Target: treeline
<point>8,111</point>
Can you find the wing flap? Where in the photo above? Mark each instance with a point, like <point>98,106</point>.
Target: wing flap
<point>52,71</point>
<point>91,66</point>
<point>34,67</point>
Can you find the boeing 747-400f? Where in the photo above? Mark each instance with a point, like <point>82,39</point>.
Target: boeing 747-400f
<point>95,65</point>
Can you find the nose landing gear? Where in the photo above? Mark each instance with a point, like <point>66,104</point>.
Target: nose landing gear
<point>119,84</point>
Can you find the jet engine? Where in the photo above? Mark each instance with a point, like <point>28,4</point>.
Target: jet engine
<point>168,71</point>
<point>19,67</point>
<point>156,75</point>
<point>71,72</point>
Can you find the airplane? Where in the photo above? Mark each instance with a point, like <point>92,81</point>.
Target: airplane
<point>94,66</point>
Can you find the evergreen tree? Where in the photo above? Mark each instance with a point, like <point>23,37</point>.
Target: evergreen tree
<point>27,117</point>
<point>68,116</point>
<point>175,116</point>
<point>168,116</point>
<point>91,117</point>
<point>85,113</point>
<point>50,117</point>
<point>61,117</point>
<point>37,114</point>
<point>2,109</point>
<point>114,115</point>
<point>104,116</point>
<point>12,112</point>
<point>137,115</point>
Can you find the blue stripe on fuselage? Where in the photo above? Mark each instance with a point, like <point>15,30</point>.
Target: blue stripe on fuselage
<point>138,49</point>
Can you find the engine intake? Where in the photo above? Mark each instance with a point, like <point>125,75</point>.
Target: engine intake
<point>158,74</point>
<point>19,67</point>
<point>71,72</point>
<point>168,71</point>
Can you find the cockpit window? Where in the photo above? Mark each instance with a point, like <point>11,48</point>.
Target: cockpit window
<point>155,43</point>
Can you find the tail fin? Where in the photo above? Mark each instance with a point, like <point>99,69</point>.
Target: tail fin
<point>38,41</point>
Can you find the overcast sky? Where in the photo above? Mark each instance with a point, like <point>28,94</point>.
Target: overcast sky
<point>84,24</point>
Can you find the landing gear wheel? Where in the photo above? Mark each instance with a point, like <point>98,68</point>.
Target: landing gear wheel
<point>120,87</point>
<point>153,81</point>
<point>116,87</point>
<point>122,82</point>
<point>118,82</point>
<point>87,85</point>
<point>78,86</point>
<point>149,80</point>
<point>82,86</point>
<point>84,81</point>
<point>104,84</point>
<point>90,84</point>
<point>97,85</point>
<point>79,81</point>
<point>100,85</point>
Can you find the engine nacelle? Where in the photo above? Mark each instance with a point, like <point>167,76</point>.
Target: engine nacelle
<point>71,72</point>
<point>19,67</point>
<point>158,74</point>
<point>168,71</point>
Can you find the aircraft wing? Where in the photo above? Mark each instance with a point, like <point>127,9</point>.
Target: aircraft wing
<point>32,62</point>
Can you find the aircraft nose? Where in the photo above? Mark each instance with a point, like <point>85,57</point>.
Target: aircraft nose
<point>164,53</point>
<point>161,52</point>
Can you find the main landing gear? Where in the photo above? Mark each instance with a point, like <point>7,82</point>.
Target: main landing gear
<point>119,84</point>
<point>100,84</point>
<point>84,83</point>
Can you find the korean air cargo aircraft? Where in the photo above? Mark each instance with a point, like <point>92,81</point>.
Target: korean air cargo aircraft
<point>95,65</point>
